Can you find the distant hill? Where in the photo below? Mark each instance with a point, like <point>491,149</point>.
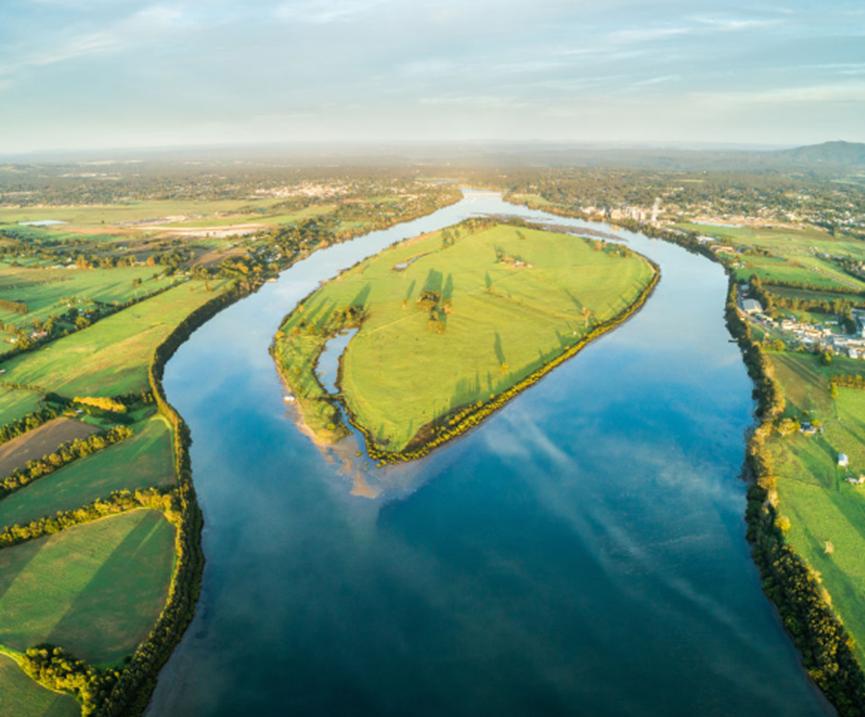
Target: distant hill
<point>838,153</point>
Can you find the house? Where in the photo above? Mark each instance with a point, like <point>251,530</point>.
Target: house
<point>808,429</point>
<point>843,460</point>
<point>752,306</point>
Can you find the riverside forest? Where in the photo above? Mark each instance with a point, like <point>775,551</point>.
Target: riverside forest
<point>642,375</point>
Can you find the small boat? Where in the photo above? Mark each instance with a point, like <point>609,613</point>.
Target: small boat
<point>288,398</point>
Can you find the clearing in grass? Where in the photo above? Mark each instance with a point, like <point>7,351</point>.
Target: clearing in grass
<point>450,321</point>
<point>95,589</point>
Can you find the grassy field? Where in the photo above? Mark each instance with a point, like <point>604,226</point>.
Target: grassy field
<point>827,514</point>
<point>22,697</point>
<point>95,589</point>
<point>447,326</point>
<point>49,292</point>
<point>799,256</point>
<point>17,402</point>
<point>96,216</point>
<point>142,461</point>
<point>110,357</point>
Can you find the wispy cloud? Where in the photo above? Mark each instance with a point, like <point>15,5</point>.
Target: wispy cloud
<point>648,34</point>
<point>323,12</point>
<point>735,24</point>
<point>129,31</point>
<point>839,92</point>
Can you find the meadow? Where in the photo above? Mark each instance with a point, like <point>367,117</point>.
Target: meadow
<point>95,588</point>
<point>826,513</point>
<point>110,357</point>
<point>142,461</point>
<point>22,697</point>
<point>787,255</point>
<point>48,292</point>
<point>451,319</point>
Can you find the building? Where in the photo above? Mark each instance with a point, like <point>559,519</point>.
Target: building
<point>752,306</point>
<point>843,460</point>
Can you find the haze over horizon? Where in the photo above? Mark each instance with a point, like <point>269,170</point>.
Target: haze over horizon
<point>91,74</point>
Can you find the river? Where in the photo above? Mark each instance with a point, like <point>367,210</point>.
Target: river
<point>582,552</point>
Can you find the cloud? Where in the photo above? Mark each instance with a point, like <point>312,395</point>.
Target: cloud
<point>323,12</point>
<point>132,30</point>
<point>811,94</point>
<point>728,24</point>
<point>648,34</point>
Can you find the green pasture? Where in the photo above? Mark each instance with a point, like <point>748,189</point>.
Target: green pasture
<point>50,292</point>
<point>22,697</point>
<point>799,270</point>
<point>823,508</point>
<point>99,215</point>
<point>145,460</point>
<point>263,215</point>
<point>510,300</point>
<point>95,589</point>
<point>110,357</point>
<point>16,402</point>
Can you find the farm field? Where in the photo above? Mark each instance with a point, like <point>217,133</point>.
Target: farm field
<point>110,357</point>
<point>17,402</point>
<point>96,216</point>
<point>47,292</point>
<point>450,319</point>
<point>142,461</point>
<point>22,697</point>
<point>40,441</point>
<point>96,588</point>
<point>826,513</point>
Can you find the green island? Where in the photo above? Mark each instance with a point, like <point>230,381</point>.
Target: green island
<point>100,557</point>
<point>450,325</point>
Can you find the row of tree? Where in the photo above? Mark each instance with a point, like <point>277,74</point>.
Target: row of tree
<point>827,649</point>
<point>61,456</point>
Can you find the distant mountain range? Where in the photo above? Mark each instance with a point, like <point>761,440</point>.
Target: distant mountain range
<point>838,154</point>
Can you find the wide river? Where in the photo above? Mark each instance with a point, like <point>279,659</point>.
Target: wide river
<point>582,552</point>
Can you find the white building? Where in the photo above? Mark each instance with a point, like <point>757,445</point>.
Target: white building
<point>752,306</point>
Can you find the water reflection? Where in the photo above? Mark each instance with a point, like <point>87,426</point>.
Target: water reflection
<point>581,552</point>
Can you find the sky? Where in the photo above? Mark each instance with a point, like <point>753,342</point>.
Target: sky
<point>77,74</point>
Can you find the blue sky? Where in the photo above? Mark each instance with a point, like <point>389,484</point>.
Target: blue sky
<point>118,73</point>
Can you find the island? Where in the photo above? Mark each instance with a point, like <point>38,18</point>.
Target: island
<point>450,325</point>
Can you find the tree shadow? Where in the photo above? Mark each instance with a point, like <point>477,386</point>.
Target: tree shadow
<point>359,301</point>
<point>497,347</point>
<point>433,282</point>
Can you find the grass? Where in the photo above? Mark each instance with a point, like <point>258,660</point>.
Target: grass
<point>98,215</point>
<point>110,357</point>
<point>50,292</point>
<point>797,255</point>
<point>17,402</point>
<point>822,507</point>
<point>22,697</point>
<point>142,461</point>
<point>95,589</point>
<point>498,320</point>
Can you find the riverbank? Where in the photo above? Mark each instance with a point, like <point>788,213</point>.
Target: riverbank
<point>794,588</point>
